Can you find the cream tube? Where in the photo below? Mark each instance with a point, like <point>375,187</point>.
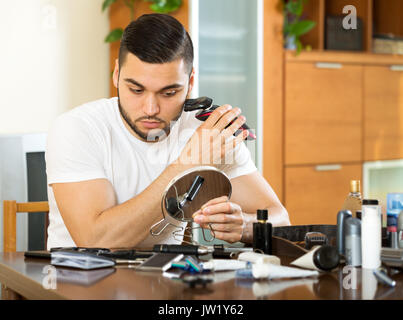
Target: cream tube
<point>321,258</point>
<point>223,264</point>
<point>255,257</point>
<point>271,271</point>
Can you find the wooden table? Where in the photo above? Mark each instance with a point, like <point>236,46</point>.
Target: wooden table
<point>24,278</point>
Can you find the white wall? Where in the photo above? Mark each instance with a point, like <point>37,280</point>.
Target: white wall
<point>52,58</point>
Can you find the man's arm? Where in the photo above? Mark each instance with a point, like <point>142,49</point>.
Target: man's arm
<point>89,208</point>
<point>232,220</point>
<point>252,192</point>
<point>90,212</point>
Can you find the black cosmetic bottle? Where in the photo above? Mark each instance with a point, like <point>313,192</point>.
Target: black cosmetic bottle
<point>262,233</point>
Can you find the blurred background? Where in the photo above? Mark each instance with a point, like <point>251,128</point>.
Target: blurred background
<point>320,81</point>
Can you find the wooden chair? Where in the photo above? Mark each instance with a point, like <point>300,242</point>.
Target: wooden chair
<point>10,210</point>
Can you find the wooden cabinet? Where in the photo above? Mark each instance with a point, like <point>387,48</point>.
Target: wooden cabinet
<point>333,115</point>
<point>323,113</point>
<point>314,194</point>
<point>383,118</point>
<point>341,112</point>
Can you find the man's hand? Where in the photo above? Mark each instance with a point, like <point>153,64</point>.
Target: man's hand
<point>212,141</point>
<point>225,218</point>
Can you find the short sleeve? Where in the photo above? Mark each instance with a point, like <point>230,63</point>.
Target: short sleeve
<point>240,163</point>
<point>73,151</point>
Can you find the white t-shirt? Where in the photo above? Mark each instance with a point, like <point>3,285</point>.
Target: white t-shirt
<point>92,142</point>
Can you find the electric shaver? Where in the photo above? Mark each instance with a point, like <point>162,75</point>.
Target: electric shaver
<point>206,107</point>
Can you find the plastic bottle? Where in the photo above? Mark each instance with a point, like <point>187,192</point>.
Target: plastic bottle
<point>371,234</point>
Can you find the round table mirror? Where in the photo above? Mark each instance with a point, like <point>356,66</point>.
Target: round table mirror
<point>188,191</point>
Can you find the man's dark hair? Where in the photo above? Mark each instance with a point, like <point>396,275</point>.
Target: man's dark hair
<point>156,38</point>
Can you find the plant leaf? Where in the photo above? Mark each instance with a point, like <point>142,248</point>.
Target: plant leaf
<point>301,27</point>
<point>299,46</point>
<point>165,6</point>
<point>299,7</point>
<point>294,7</point>
<point>114,35</point>
<point>107,4</point>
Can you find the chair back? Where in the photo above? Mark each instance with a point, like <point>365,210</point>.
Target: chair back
<point>10,210</point>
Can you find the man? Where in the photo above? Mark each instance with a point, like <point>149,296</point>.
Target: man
<point>106,172</point>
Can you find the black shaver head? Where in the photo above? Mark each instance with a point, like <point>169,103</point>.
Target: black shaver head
<point>201,103</point>
<point>206,107</point>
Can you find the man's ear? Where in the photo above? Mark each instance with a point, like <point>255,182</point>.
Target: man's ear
<point>116,74</point>
<point>191,83</point>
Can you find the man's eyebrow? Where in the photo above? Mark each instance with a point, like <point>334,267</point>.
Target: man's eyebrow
<point>171,86</point>
<point>132,81</point>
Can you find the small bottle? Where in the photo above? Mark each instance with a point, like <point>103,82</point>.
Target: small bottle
<point>371,234</point>
<point>393,208</point>
<point>353,201</point>
<point>400,230</point>
<point>262,233</point>
<point>353,242</point>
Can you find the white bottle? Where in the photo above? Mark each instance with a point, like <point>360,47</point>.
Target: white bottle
<point>371,234</point>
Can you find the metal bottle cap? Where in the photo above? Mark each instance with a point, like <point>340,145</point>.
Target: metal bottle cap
<point>352,227</point>
<point>355,186</point>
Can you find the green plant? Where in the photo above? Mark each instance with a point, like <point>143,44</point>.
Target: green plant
<point>294,26</point>
<point>160,6</point>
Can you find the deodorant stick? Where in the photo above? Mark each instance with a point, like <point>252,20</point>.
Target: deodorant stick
<point>353,242</point>
<point>371,234</point>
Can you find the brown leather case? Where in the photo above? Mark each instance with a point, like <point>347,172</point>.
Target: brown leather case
<point>288,241</point>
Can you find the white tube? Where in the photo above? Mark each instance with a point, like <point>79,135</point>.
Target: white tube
<point>271,271</point>
<point>255,257</point>
<point>306,261</point>
<point>223,264</point>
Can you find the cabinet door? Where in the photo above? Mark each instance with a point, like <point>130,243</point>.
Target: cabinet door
<point>315,194</point>
<point>323,107</point>
<point>383,117</point>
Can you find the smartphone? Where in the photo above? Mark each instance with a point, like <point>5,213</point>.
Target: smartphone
<point>160,262</point>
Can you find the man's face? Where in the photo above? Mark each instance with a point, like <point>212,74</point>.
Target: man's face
<point>151,95</point>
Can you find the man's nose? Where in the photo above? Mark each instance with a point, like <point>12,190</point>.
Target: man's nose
<point>151,106</point>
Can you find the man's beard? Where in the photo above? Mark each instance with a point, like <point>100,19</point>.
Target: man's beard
<point>153,135</point>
